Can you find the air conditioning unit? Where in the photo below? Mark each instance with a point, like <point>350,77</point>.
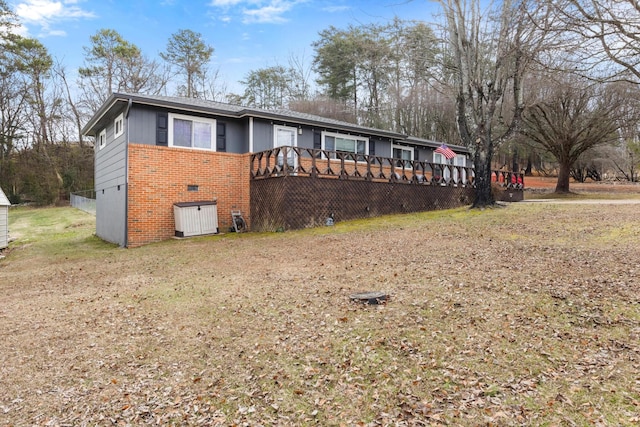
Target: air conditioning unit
<point>195,218</point>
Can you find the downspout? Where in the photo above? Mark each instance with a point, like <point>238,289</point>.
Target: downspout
<point>126,171</point>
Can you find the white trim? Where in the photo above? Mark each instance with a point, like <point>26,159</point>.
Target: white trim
<point>293,130</point>
<point>251,134</point>
<point>440,159</point>
<point>195,119</point>
<point>291,156</point>
<point>460,160</point>
<point>354,138</point>
<point>118,126</point>
<point>102,139</point>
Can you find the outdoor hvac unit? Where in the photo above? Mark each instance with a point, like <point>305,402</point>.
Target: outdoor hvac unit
<point>196,218</point>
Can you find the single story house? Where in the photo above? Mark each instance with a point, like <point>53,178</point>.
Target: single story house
<point>155,155</point>
<point>4,220</point>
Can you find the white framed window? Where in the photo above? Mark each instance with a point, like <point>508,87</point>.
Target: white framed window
<point>458,160</point>
<point>118,126</point>
<point>345,143</point>
<point>402,152</point>
<point>192,132</point>
<point>437,172</point>
<point>102,139</point>
<point>441,159</point>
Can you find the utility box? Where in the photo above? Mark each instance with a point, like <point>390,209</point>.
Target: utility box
<point>196,218</point>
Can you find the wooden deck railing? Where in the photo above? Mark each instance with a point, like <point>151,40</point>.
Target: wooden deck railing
<point>343,165</point>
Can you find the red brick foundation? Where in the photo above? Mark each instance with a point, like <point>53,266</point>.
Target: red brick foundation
<point>160,177</point>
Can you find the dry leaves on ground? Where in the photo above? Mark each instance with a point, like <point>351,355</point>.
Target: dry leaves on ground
<point>528,315</point>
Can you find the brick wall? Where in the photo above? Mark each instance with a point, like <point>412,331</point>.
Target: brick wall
<point>160,176</point>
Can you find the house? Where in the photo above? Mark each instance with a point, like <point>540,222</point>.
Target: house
<point>4,220</point>
<point>153,153</point>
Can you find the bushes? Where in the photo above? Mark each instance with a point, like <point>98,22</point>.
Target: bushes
<point>44,174</point>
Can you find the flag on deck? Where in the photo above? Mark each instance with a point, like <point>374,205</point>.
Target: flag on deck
<point>447,152</point>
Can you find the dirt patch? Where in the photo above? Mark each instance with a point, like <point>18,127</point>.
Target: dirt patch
<point>493,319</point>
<point>537,183</point>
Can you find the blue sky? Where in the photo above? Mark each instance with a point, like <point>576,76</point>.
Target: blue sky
<point>246,34</point>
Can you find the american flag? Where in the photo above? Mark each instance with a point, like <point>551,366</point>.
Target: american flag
<point>445,151</point>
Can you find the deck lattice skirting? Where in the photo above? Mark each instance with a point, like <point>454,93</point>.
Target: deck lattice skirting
<point>313,185</point>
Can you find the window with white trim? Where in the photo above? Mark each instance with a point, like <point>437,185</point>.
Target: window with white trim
<point>102,139</point>
<point>345,143</point>
<point>403,153</point>
<point>441,159</point>
<point>192,132</point>
<point>437,172</point>
<point>118,126</point>
<point>460,160</point>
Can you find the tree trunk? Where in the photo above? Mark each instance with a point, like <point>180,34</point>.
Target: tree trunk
<point>484,195</point>
<point>529,167</point>
<point>562,186</point>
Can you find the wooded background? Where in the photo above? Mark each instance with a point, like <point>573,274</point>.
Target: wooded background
<point>545,87</point>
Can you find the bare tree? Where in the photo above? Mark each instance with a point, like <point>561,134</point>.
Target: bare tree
<point>215,89</point>
<point>300,76</point>
<point>74,114</point>
<point>606,32</point>
<point>571,119</point>
<point>628,160</point>
<point>488,61</point>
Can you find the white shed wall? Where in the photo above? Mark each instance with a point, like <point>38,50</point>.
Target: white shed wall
<point>4,220</point>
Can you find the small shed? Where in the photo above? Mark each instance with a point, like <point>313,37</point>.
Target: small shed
<point>4,220</point>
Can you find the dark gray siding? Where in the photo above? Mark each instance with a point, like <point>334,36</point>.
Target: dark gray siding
<point>306,139</point>
<point>237,135</point>
<point>426,154</point>
<point>110,162</point>
<point>383,147</point>
<point>262,135</point>
<point>110,185</point>
<point>111,214</point>
<point>142,126</point>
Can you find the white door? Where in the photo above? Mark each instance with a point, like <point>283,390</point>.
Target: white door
<point>285,136</point>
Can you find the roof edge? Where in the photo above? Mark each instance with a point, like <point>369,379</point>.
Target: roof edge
<point>97,116</point>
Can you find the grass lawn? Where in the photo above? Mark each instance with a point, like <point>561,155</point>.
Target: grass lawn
<point>523,315</point>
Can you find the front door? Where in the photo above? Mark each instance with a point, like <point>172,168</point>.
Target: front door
<point>285,136</point>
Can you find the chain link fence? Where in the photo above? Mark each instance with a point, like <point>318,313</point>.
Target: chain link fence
<point>84,200</point>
